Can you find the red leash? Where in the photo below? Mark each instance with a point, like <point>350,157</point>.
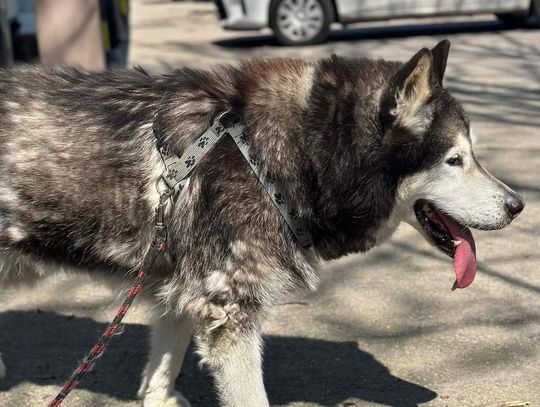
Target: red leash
<point>88,362</point>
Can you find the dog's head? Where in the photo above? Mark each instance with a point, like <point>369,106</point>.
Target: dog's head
<point>445,190</point>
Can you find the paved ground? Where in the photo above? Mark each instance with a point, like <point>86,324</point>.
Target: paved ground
<point>384,328</point>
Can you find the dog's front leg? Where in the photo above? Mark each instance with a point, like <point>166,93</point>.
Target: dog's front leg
<point>169,341</point>
<point>233,356</point>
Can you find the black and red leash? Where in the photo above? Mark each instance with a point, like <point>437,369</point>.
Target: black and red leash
<point>88,362</point>
<point>169,192</point>
<point>157,246</point>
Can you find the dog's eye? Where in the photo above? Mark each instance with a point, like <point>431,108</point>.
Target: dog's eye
<point>456,160</point>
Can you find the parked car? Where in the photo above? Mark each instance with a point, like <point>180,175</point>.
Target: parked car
<point>299,22</point>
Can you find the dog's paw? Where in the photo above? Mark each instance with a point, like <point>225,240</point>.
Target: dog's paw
<point>177,400</point>
<point>2,369</point>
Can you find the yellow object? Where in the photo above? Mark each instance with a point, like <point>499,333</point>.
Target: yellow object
<point>106,35</point>
<point>123,7</point>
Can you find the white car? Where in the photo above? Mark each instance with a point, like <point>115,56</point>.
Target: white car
<point>297,22</point>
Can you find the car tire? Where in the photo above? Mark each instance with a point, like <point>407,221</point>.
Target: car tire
<point>294,24</point>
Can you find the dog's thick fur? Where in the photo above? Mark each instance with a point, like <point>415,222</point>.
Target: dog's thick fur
<point>355,141</point>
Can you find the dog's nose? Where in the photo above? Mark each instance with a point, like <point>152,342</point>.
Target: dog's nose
<point>515,204</point>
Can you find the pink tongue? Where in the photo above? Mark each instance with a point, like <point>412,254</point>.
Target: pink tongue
<point>465,257</point>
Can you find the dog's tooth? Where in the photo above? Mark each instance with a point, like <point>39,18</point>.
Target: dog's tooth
<point>456,242</point>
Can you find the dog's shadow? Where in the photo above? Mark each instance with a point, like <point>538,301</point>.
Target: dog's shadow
<point>44,347</point>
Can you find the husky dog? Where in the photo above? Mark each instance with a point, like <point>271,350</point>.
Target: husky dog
<point>360,145</point>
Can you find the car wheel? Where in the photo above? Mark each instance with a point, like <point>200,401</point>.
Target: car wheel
<point>301,22</point>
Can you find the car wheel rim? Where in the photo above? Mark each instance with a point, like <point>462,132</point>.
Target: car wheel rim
<point>300,20</point>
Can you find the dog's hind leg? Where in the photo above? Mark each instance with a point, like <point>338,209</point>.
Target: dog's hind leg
<point>169,341</point>
<point>233,356</point>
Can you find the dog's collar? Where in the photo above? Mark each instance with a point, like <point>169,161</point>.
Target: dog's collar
<point>178,169</point>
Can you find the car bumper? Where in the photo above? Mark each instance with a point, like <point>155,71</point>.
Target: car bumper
<point>243,14</point>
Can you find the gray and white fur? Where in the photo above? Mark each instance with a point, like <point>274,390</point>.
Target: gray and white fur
<point>356,142</point>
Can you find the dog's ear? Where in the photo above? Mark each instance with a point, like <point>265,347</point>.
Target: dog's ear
<point>405,112</point>
<point>440,56</point>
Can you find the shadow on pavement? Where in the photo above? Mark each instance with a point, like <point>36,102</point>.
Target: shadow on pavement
<point>43,348</point>
<point>329,373</point>
<point>385,32</point>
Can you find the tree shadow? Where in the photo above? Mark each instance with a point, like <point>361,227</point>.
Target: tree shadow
<point>44,347</point>
<point>385,32</point>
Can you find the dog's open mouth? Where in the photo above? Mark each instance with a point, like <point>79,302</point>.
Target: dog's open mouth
<point>451,238</point>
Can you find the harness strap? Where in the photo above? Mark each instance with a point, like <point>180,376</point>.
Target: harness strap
<point>179,168</point>
<point>272,186</point>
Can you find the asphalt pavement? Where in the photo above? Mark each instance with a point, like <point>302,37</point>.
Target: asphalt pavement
<point>383,329</point>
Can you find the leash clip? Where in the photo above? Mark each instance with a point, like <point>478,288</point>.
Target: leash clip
<point>160,226</point>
